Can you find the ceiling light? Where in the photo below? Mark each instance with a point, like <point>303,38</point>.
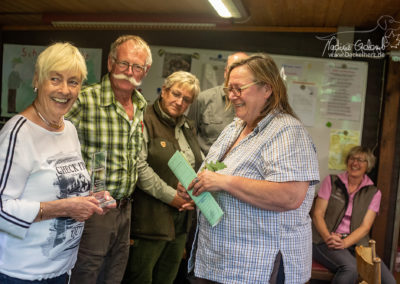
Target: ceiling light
<point>229,8</point>
<point>129,21</point>
<point>131,25</point>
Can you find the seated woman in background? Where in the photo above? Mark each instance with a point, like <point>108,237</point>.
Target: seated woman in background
<point>44,184</point>
<point>159,230</point>
<point>345,220</point>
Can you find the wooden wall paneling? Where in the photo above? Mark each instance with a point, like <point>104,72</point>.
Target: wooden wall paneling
<point>384,221</point>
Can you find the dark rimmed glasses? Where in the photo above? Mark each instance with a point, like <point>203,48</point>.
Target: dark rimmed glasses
<point>123,65</point>
<point>352,159</point>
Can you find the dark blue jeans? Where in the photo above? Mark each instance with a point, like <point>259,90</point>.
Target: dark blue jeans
<point>62,279</point>
<point>343,263</point>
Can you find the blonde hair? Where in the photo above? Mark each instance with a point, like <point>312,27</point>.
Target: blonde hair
<point>265,72</point>
<point>369,156</point>
<point>59,57</point>
<point>184,79</point>
<point>140,44</point>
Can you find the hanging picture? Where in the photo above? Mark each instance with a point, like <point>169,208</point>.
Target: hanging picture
<point>176,62</point>
<point>18,69</point>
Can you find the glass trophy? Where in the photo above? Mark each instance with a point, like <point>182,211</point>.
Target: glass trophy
<point>98,178</point>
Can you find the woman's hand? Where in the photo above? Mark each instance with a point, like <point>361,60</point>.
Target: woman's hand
<point>206,181</point>
<point>178,201</point>
<point>188,203</point>
<point>335,241</point>
<point>79,208</point>
<point>182,192</point>
<point>188,206</point>
<point>82,208</point>
<point>106,201</point>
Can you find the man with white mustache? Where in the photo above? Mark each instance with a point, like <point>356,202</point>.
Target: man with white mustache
<point>108,117</point>
<point>130,79</point>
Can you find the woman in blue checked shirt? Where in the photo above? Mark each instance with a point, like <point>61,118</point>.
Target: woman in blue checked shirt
<point>266,190</point>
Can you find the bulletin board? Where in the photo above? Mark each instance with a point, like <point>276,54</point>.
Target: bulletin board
<point>327,95</point>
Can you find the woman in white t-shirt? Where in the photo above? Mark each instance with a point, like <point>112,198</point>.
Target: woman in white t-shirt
<point>44,184</point>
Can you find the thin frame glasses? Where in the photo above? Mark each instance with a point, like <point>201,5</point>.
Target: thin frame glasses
<point>178,95</point>
<point>238,91</point>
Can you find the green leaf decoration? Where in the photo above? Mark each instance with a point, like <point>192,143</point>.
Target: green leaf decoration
<point>213,167</point>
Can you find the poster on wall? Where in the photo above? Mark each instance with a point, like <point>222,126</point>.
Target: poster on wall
<point>176,62</point>
<point>341,141</point>
<point>18,68</point>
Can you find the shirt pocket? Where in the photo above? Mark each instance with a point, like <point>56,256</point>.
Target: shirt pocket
<point>210,116</point>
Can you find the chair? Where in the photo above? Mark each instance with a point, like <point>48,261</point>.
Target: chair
<point>368,265</point>
<point>320,272</point>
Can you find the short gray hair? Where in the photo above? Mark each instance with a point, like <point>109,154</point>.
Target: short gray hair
<point>184,79</point>
<point>140,44</point>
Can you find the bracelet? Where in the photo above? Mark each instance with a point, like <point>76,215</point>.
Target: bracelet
<point>41,212</point>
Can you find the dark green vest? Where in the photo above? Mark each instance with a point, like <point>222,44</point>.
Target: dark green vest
<point>151,218</point>
<point>337,206</point>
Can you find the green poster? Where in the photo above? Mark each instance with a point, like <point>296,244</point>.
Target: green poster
<point>18,68</point>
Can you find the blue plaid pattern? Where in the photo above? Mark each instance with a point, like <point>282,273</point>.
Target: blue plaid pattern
<point>243,246</point>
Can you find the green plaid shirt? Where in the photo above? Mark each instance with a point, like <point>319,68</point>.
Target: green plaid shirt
<point>103,124</point>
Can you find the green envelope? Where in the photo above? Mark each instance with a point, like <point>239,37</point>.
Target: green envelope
<point>205,201</point>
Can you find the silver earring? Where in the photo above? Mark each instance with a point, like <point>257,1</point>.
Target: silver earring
<point>35,90</point>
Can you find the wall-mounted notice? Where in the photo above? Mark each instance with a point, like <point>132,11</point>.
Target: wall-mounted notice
<point>303,98</point>
<point>341,91</point>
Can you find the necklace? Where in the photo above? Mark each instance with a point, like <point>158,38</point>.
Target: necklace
<point>50,124</point>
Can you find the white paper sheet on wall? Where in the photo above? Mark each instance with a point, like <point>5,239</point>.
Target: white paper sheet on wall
<point>303,98</point>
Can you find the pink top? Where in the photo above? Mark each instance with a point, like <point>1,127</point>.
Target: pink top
<point>325,193</point>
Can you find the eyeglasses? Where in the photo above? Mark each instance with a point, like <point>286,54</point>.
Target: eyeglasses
<point>353,159</point>
<point>238,91</point>
<point>178,95</point>
<point>123,65</point>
